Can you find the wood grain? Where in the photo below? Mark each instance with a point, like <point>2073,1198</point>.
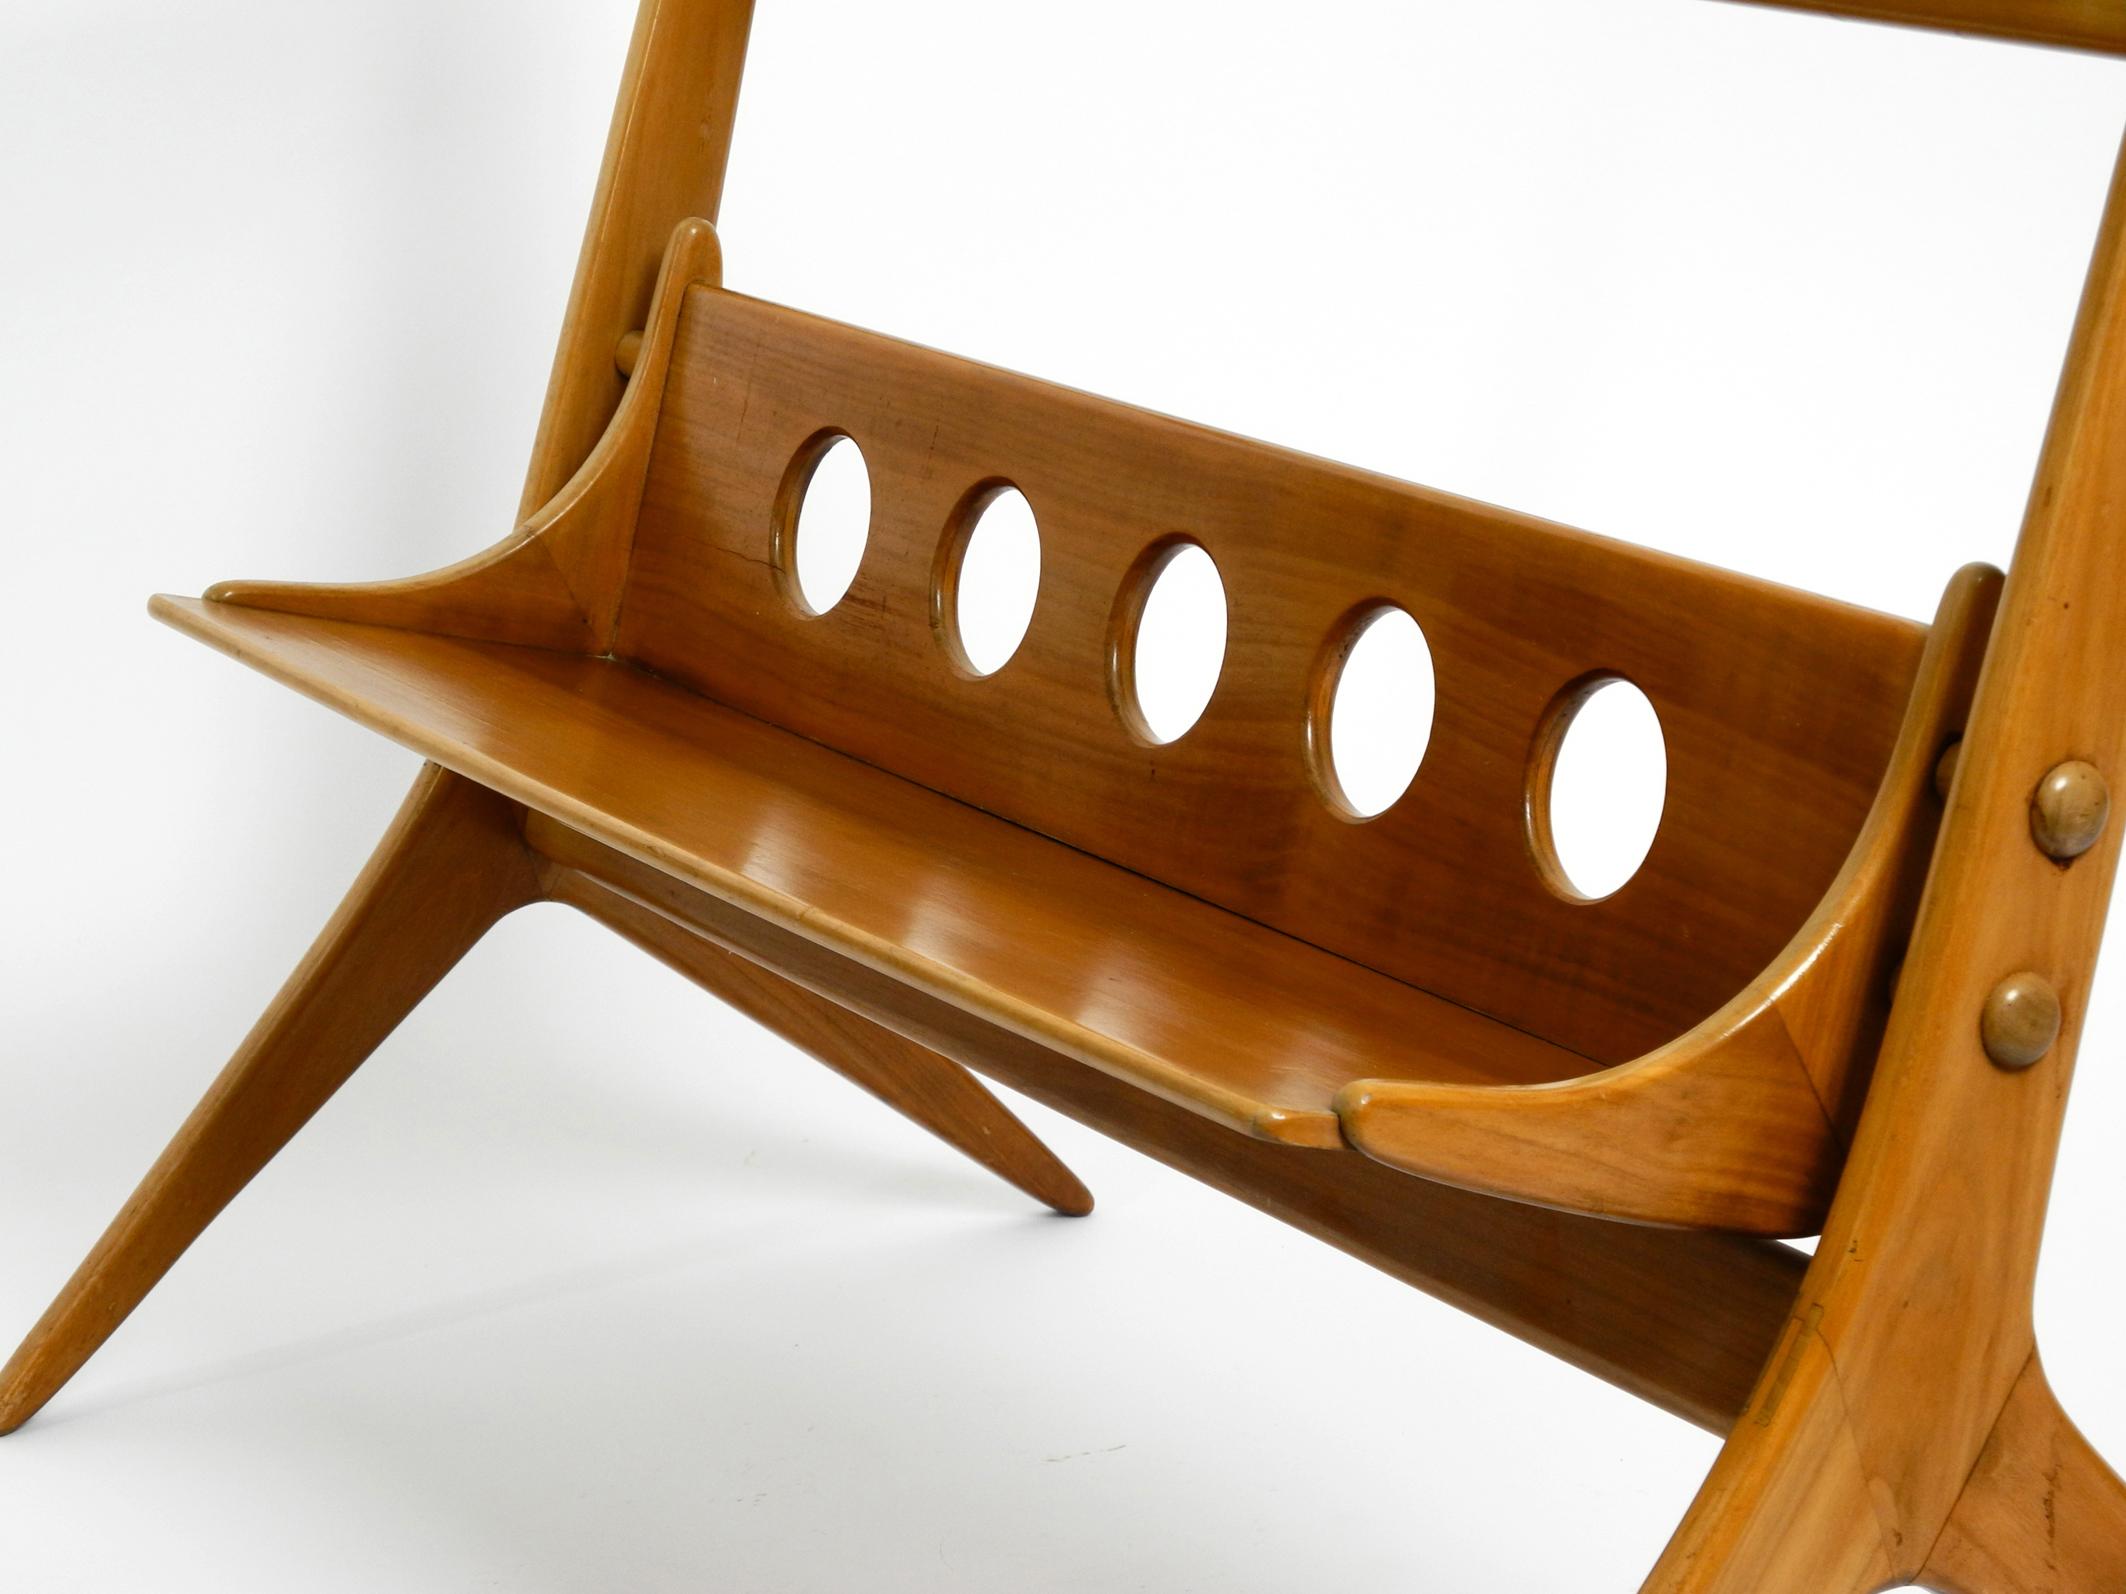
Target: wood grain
<point>664,163</point>
<point>2041,1514</point>
<point>555,580</point>
<point>1682,1319</point>
<point>1206,1008</point>
<point>1780,709</point>
<point>1918,1302</point>
<point>452,864</point>
<point>1744,1122</point>
<point>913,1080</point>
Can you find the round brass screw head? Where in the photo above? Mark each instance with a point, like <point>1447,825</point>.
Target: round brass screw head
<point>2068,810</point>
<point>2021,1020</point>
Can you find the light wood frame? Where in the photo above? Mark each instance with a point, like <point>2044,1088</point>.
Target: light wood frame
<point>1886,1416</point>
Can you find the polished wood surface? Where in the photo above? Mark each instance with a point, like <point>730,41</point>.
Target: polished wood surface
<point>911,1079</point>
<point>1914,1327</point>
<point>1406,1036</point>
<point>555,580</point>
<point>664,163</point>
<point>1744,1122</point>
<point>1780,709</point>
<point>1737,1117</point>
<point>1682,1319</point>
<point>1204,1007</point>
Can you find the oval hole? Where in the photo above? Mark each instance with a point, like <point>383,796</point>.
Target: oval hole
<point>996,579</point>
<point>1377,712</point>
<point>1604,789</point>
<point>1173,647</point>
<point>827,526</point>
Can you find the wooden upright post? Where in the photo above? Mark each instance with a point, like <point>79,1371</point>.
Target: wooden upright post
<point>1903,1429</point>
<point>664,162</point>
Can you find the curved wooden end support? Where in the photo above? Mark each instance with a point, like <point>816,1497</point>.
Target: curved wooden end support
<point>1903,1430</point>
<point>452,864</point>
<point>1743,1123</point>
<point>555,581</point>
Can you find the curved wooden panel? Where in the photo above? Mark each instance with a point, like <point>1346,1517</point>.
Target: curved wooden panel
<point>1780,708</point>
<point>554,582</point>
<point>1742,1124</point>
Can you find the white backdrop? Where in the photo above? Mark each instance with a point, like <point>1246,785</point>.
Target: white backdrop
<point>586,1285</point>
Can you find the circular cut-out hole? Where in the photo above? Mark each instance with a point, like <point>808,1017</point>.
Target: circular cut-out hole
<point>827,526</point>
<point>1171,645</point>
<point>1377,712</point>
<point>997,578</point>
<point>1600,798</point>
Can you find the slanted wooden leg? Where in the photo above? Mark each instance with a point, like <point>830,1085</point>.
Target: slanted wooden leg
<point>452,864</point>
<point>2042,1513</point>
<point>913,1080</point>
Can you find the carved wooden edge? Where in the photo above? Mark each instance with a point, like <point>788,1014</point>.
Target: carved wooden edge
<point>1901,1433</point>
<point>1743,1123</point>
<point>555,581</point>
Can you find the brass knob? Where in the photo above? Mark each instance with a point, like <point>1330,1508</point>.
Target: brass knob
<point>2068,810</point>
<point>2021,1020</point>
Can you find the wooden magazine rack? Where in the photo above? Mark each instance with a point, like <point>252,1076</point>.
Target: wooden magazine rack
<point>1842,995</point>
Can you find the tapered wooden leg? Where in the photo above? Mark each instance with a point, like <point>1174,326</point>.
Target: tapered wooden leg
<point>452,864</point>
<point>2041,1514</point>
<point>1787,1508</point>
<point>913,1080</point>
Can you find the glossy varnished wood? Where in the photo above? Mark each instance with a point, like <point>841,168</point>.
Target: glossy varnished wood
<point>1738,1121</point>
<point>1780,709</point>
<point>1681,1319</point>
<point>914,1080</point>
<point>1913,1334</point>
<point>554,581</point>
<point>1744,1122</point>
<point>1202,1006</point>
<point>664,162</point>
<point>911,873</point>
